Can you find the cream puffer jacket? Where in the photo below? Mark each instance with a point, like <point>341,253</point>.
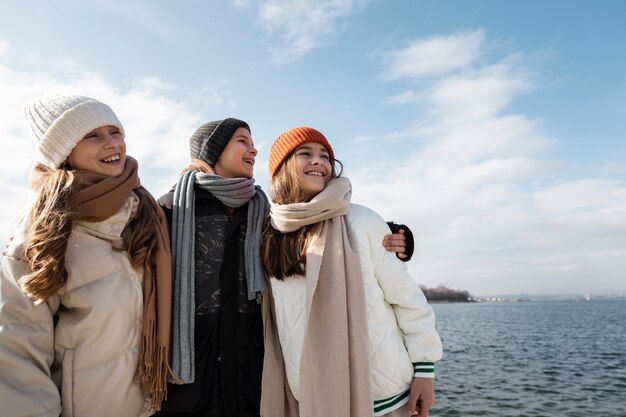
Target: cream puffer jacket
<point>77,354</point>
<point>403,339</point>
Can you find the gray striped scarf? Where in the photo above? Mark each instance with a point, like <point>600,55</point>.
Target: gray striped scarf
<point>232,192</point>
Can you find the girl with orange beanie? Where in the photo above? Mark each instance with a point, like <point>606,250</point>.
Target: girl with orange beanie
<point>347,331</point>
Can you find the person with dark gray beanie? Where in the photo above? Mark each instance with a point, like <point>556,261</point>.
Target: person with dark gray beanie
<point>216,216</point>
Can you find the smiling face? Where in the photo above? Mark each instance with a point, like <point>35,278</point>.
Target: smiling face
<point>237,158</point>
<point>312,167</point>
<point>101,151</point>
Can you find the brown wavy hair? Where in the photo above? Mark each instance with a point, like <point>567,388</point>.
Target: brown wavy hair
<point>284,254</point>
<point>50,221</point>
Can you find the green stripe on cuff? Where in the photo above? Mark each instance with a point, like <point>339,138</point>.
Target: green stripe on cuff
<point>380,405</point>
<point>423,367</point>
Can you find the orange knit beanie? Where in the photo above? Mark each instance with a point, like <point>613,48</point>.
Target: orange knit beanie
<point>290,140</point>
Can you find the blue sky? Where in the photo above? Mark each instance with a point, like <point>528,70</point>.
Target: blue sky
<point>494,129</point>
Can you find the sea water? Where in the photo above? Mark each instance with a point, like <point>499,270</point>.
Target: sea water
<point>537,358</point>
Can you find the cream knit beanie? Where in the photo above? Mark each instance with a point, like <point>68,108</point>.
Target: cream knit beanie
<point>60,122</point>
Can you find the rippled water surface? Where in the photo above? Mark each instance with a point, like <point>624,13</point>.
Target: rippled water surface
<point>541,358</point>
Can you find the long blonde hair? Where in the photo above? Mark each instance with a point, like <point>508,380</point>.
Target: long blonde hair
<point>49,226</point>
<point>284,254</point>
<point>50,221</point>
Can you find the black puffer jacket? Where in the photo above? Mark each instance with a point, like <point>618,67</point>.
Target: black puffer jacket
<point>228,327</point>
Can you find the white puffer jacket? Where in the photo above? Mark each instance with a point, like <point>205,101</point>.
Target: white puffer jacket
<point>77,354</point>
<point>403,339</point>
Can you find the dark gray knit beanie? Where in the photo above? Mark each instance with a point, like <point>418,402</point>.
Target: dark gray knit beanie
<point>209,141</point>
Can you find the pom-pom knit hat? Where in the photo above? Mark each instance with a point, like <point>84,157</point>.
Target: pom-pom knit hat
<point>209,141</point>
<point>288,141</point>
<point>60,122</point>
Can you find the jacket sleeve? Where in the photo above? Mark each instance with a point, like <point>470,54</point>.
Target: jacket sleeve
<point>415,317</point>
<point>26,345</point>
<point>166,202</point>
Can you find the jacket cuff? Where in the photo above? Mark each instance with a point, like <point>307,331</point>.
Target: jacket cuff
<point>424,369</point>
<point>410,242</point>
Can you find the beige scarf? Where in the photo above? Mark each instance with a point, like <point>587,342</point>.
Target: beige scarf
<point>97,197</point>
<point>334,368</point>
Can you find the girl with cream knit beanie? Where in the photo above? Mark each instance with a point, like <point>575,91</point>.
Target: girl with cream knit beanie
<point>347,331</point>
<point>85,286</point>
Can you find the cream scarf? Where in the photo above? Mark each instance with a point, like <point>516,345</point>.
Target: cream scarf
<point>334,368</point>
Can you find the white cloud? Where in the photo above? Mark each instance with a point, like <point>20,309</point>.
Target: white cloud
<point>437,55</point>
<point>480,94</point>
<point>404,98</point>
<point>302,25</point>
<point>584,195</point>
<point>478,185</point>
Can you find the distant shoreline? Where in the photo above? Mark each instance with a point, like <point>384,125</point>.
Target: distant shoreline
<point>443,294</point>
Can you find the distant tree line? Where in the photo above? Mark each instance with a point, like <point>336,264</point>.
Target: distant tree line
<point>443,293</point>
